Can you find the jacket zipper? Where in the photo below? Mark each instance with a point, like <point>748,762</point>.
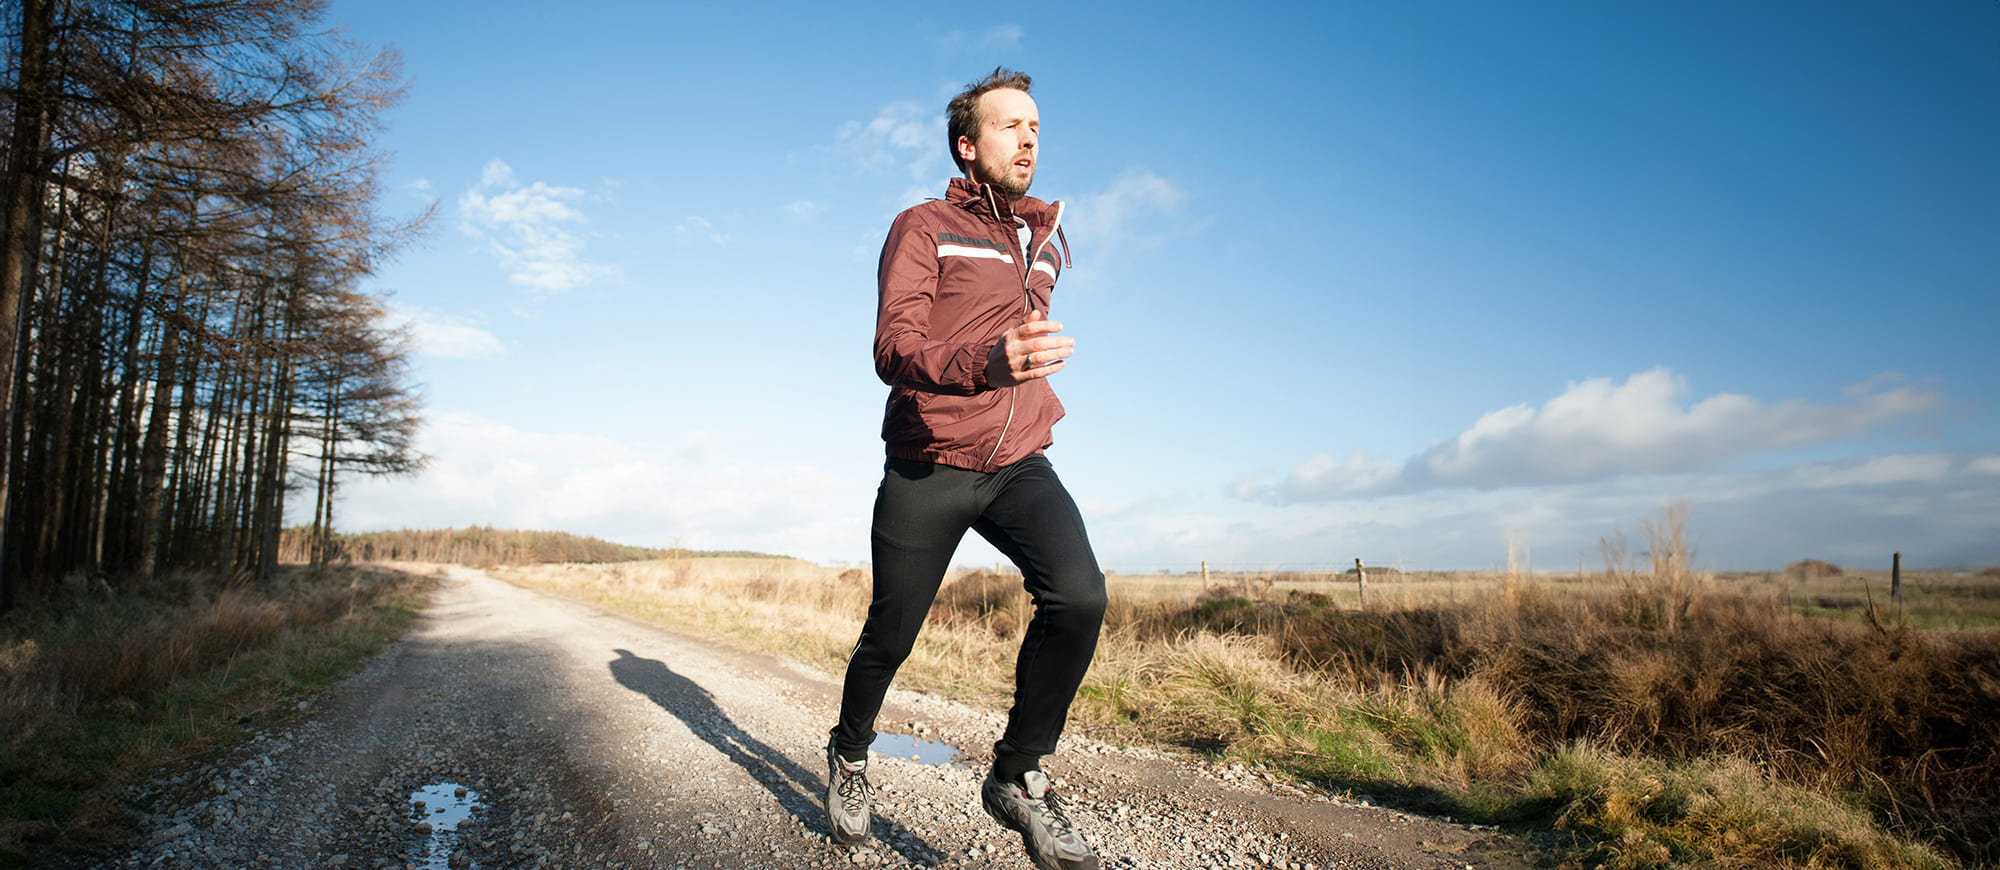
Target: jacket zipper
<point>1027,303</point>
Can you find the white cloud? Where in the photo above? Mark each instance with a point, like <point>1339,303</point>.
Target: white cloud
<point>1598,429</point>
<point>1358,473</point>
<point>1002,36</point>
<point>1902,468</point>
<point>1871,384</point>
<point>804,208</point>
<point>705,489</point>
<point>528,229</point>
<point>1130,215</point>
<point>694,492</point>
<point>696,225</point>
<point>903,139</point>
<point>443,335</point>
<point>1932,507</point>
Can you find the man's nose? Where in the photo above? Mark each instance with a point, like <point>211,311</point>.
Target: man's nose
<point>1028,139</point>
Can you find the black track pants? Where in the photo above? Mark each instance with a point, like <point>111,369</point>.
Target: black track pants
<point>921,513</point>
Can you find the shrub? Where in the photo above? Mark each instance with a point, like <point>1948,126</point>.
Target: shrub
<point>1811,569</point>
<point>1681,671</point>
<point>984,598</point>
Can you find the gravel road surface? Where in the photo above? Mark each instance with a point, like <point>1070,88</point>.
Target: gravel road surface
<point>511,729</point>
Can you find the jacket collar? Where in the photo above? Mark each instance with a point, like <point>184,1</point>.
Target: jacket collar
<point>991,202</point>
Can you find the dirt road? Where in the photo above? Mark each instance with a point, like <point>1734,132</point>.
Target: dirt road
<point>538,732</point>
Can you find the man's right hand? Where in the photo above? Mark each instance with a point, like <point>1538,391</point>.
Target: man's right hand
<point>1029,351</point>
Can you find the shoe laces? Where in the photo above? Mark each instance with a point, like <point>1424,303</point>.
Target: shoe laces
<point>853,789</point>
<point>1052,807</point>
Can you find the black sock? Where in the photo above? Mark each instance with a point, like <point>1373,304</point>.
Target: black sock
<point>1009,767</point>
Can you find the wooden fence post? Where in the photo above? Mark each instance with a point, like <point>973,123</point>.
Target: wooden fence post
<point>1204,575</point>
<point>1896,576</point>
<point>1361,574</point>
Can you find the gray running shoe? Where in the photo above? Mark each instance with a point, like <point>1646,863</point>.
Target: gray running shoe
<point>847,793</point>
<point>1034,811</point>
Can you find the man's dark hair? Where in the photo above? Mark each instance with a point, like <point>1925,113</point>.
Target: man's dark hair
<point>962,114</point>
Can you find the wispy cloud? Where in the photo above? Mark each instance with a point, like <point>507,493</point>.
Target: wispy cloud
<point>804,208</point>
<point>699,489</point>
<point>1937,509</point>
<point>1133,214</point>
<point>693,490</point>
<point>1000,37</point>
<point>696,226</point>
<point>1871,384</point>
<point>1598,429</point>
<point>530,230</point>
<point>442,335</point>
<point>903,139</point>
<point>1003,36</point>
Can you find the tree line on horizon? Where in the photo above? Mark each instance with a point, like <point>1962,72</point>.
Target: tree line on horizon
<point>484,546</point>
<point>191,194</point>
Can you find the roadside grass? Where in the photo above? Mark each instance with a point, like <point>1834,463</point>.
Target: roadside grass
<point>1654,718</point>
<point>793,609</point>
<point>95,693</point>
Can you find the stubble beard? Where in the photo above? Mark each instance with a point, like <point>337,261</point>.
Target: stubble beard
<point>1014,186</point>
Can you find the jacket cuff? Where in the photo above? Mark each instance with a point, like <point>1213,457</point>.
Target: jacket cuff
<point>979,384</point>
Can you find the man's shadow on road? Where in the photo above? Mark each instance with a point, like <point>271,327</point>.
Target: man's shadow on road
<point>797,789</point>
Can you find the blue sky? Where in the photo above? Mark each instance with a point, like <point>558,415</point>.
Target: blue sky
<point>1385,281</point>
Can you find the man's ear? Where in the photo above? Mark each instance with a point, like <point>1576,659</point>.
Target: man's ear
<point>966,150</point>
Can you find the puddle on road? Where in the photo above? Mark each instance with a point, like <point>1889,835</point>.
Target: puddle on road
<point>442,807</point>
<point>919,750</point>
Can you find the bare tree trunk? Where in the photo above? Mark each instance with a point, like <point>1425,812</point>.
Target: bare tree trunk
<point>153,456</point>
<point>121,508</point>
<point>21,228</point>
<point>65,333</point>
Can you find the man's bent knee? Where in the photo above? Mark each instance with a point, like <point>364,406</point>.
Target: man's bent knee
<point>1079,602</point>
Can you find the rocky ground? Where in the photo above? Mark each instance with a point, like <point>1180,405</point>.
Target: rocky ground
<point>510,729</point>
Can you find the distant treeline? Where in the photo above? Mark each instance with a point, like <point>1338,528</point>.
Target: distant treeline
<point>481,546</point>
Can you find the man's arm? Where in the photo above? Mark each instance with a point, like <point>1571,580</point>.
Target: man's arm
<point>905,355</point>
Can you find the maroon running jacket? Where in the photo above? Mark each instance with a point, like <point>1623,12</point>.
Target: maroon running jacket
<point>953,278</point>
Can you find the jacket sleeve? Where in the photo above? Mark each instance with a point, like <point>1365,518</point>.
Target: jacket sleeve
<point>905,354</point>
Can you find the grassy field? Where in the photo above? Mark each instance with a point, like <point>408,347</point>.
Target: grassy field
<point>98,691</point>
<point>1649,718</point>
<point>1930,599</point>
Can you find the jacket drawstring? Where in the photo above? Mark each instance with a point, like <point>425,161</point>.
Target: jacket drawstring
<point>993,206</point>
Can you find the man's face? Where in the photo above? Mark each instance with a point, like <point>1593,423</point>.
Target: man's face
<point>1004,153</point>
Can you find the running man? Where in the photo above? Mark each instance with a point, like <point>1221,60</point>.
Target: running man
<point>963,339</point>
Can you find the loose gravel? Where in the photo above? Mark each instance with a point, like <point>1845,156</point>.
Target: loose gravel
<point>511,729</point>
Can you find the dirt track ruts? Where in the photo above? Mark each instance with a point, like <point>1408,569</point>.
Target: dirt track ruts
<point>584,739</point>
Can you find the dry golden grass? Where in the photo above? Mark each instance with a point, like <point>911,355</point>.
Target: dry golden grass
<point>801,611</point>
<point>94,691</point>
<point>1665,715</point>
